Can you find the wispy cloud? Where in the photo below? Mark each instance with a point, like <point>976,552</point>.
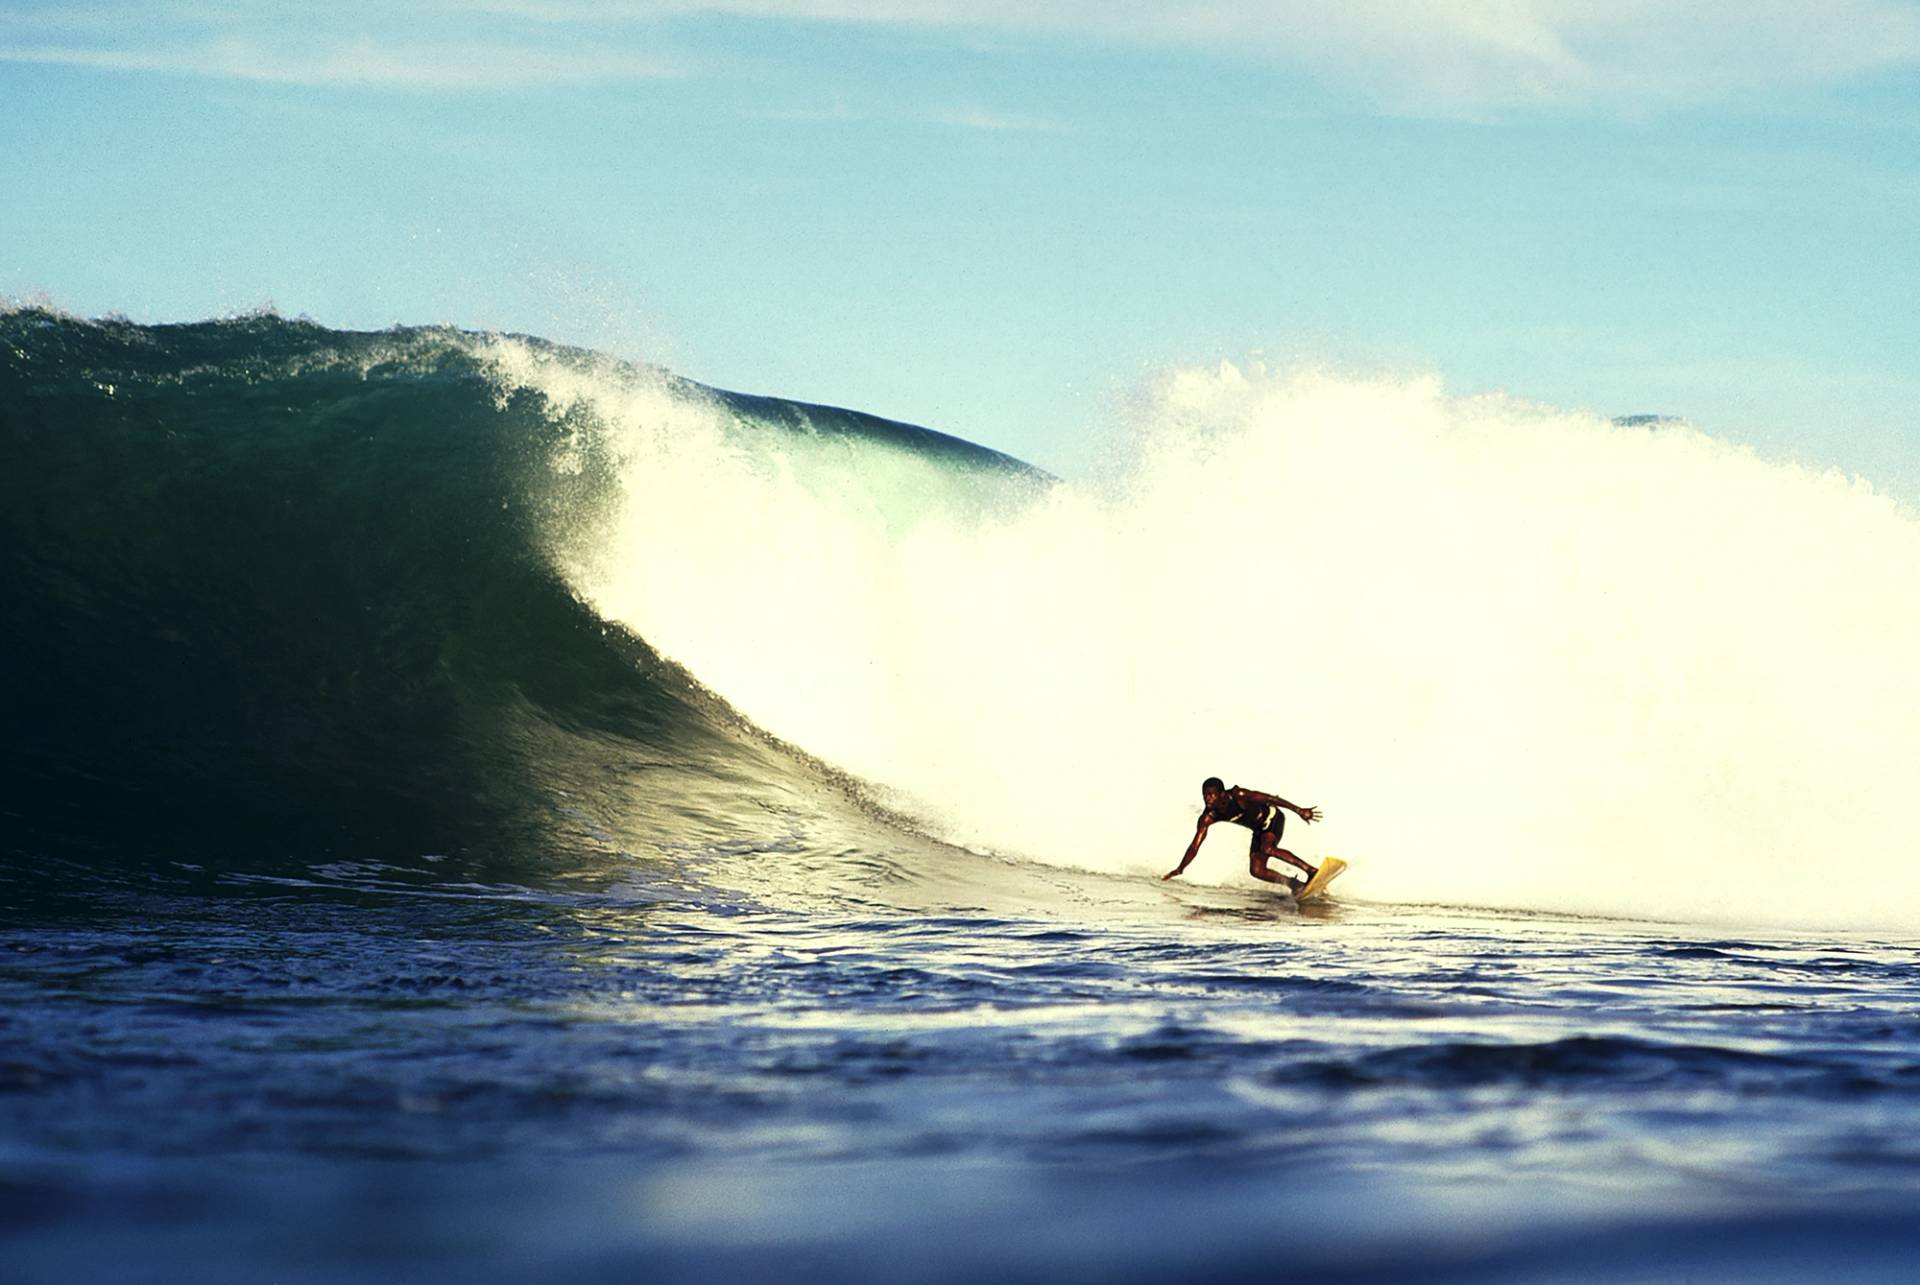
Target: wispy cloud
<point>1445,57</point>
<point>362,62</point>
<point>1427,57</point>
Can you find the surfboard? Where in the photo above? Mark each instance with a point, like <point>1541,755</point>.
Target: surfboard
<point>1330,868</point>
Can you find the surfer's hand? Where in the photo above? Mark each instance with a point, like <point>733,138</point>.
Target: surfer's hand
<point>1309,814</point>
<point>1171,873</point>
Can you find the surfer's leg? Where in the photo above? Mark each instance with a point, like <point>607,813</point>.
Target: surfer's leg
<point>1258,869</point>
<point>1266,845</point>
<point>1257,863</point>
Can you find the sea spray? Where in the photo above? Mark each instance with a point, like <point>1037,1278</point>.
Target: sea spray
<point>1522,657</point>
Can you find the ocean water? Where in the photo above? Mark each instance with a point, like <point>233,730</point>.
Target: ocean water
<point>471,809</point>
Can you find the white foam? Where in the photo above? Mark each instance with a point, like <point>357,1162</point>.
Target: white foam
<point>1522,657</point>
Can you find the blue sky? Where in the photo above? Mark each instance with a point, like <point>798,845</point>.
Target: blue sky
<point>1000,218</point>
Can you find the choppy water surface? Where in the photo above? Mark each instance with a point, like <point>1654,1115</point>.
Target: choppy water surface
<point>366,1073</point>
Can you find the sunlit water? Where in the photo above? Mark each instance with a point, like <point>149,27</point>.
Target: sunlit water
<point>364,1072</point>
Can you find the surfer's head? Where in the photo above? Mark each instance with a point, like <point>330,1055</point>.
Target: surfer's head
<point>1212,788</point>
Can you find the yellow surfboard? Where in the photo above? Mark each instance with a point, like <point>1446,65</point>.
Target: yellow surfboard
<point>1330,868</point>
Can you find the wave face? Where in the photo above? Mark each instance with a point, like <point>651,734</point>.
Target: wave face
<point>277,592</point>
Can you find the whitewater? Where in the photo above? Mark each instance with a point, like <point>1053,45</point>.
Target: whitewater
<point>473,809</point>
<point>1523,657</point>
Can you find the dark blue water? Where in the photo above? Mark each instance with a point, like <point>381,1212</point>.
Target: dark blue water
<point>357,1076</point>
<point>369,909</point>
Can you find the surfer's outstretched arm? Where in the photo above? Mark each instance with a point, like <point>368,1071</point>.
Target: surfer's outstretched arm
<point>1309,814</point>
<point>1192,848</point>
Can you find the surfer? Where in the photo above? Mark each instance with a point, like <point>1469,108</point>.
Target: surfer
<point>1265,815</point>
